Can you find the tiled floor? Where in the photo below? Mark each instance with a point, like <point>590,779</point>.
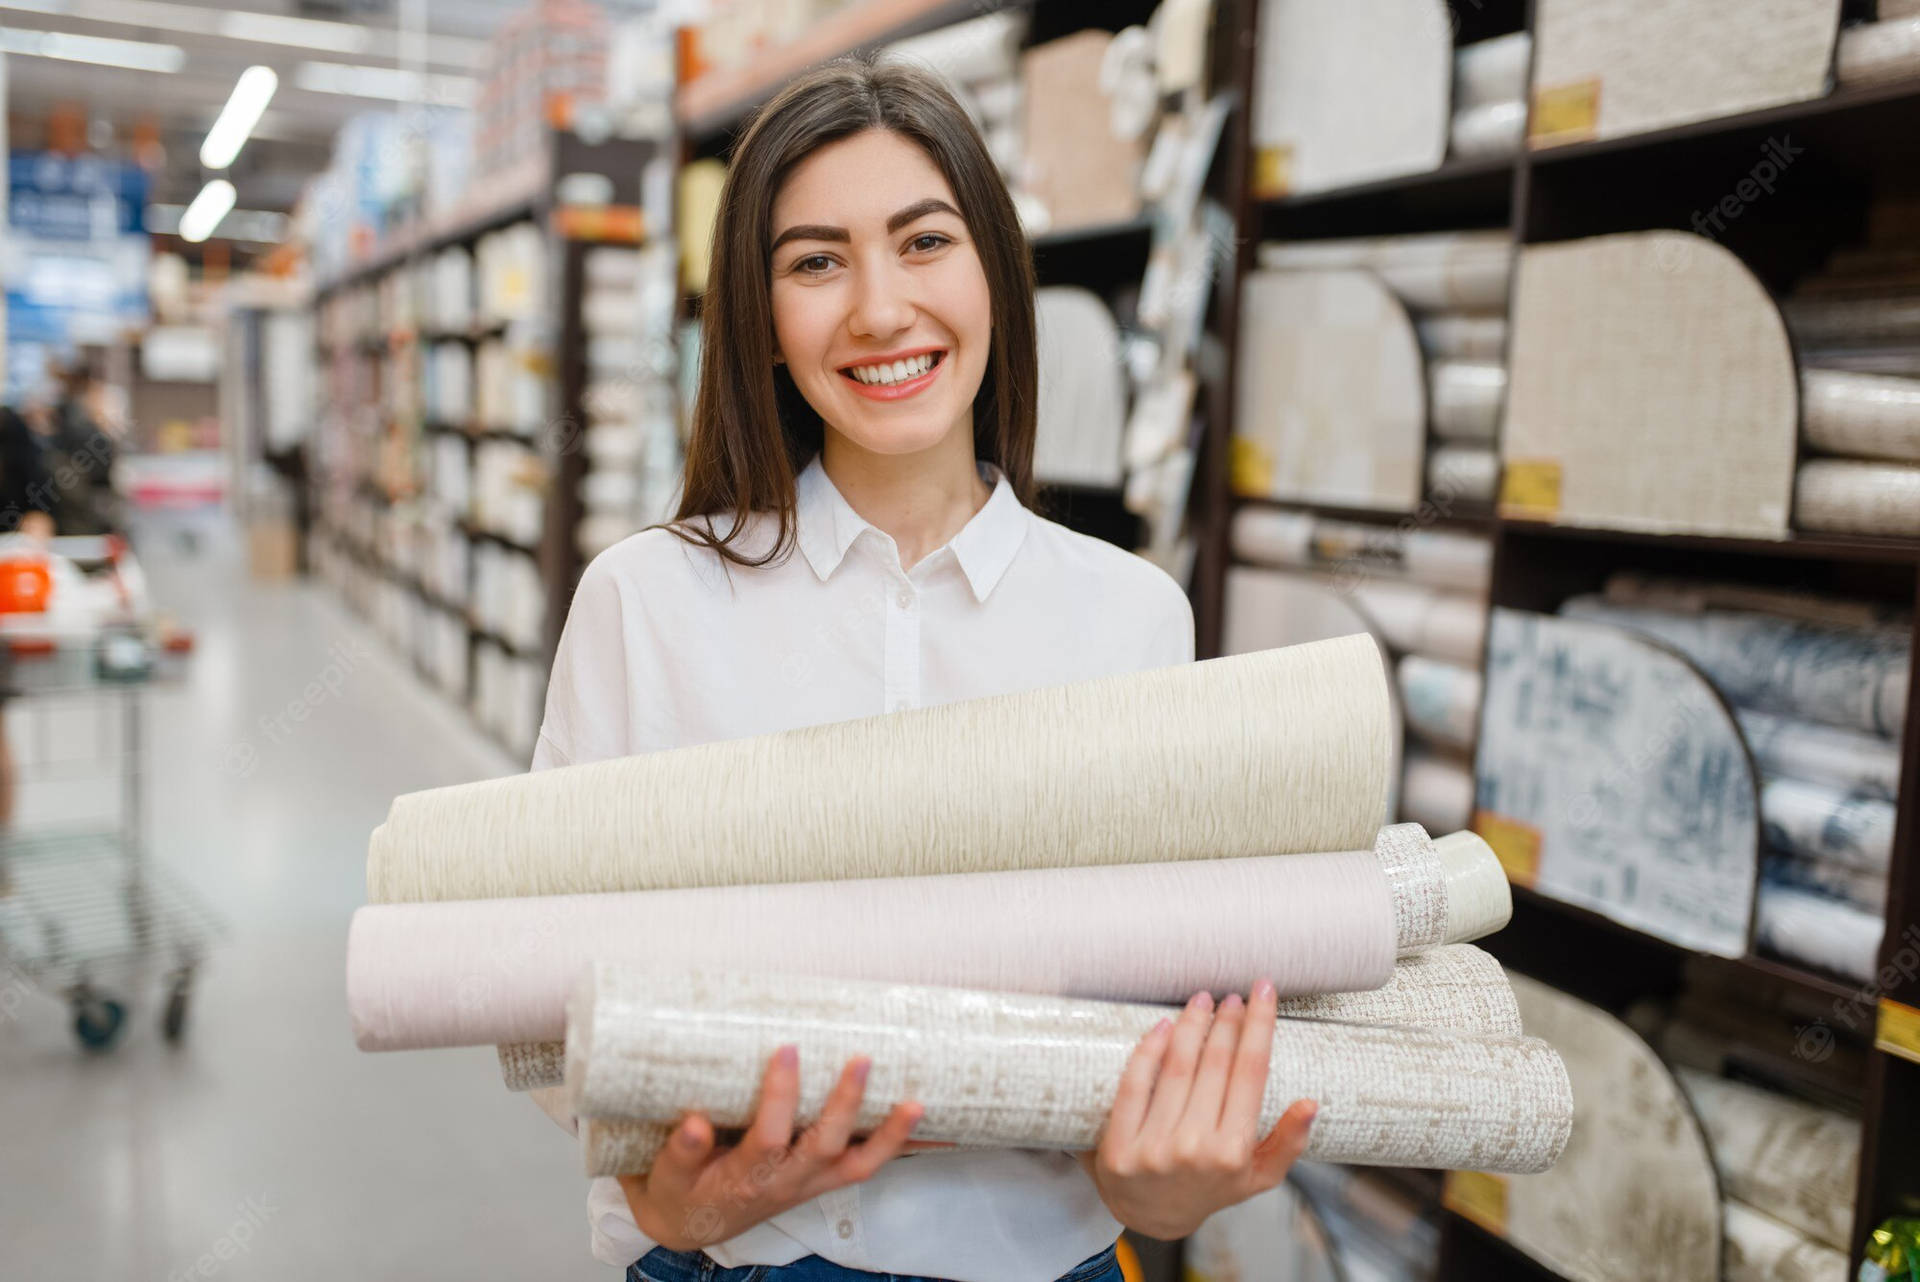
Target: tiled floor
<point>266,1146</point>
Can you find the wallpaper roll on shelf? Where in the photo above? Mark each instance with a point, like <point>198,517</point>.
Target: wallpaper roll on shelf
<point>1799,1161</point>
<point>1857,887</point>
<point>1464,399</point>
<point>1041,1072</point>
<point>1488,130</point>
<point>1877,52</point>
<point>1456,987</point>
<point>1762,1249</point>
<point>1462,336</point>
<point>1441,701</point>
<point>1818,822</point>
<point>1845,759</point>
<point>467,973</point>
<point>1842,496</point>
<point>1491,70</point>
<point>1188,766</point>
<point>1352,550</point>
<point>1436,790</point>
<point>1851,321</point>
<point>1819,931</point>
<point>1435,272</point>
<point>1083,389</point>
<point>1463,472</point>
<point>1854,678</point>
<point>1417,619</point>
<point>1867,416</point>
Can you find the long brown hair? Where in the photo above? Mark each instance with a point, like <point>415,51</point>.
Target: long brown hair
<point>752,430</point>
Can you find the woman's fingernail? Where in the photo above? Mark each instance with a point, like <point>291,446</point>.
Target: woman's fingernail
<point>860,1069</point>
<point>688,1139</point>
<point>787,1055</point>
<point>1311,1111</point>
<point>1161,1027</point>
<point>1202,1001</point>
<point>1263,990</point>
<point>1231,1003</point>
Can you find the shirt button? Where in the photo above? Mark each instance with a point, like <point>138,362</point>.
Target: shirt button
<point>906,600</point>
<point>844,1228</point>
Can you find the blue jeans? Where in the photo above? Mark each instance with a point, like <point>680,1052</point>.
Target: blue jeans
<point>662,1265</point>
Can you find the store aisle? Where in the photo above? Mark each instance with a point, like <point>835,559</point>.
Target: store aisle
<point>266,1146</point>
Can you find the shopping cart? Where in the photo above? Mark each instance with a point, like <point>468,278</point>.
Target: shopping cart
<point>84,914</point>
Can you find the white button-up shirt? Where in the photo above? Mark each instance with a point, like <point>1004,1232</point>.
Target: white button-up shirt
<point>665,648</point>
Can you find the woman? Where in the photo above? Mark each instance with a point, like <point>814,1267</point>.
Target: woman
<point>854,539</point>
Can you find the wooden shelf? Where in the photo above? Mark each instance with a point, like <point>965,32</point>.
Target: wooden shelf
<point>1450,173</point>
<point>1800,546</point>
<point>1468,518</point>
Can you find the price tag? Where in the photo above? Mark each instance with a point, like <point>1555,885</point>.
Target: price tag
<point>1251,467</point>
<point>1898,1032</point>
<point>1565,113</point>
<point>1515,844</point>
<point>1477,1196</point>
<point>1272,172</point>
<point>1530,490</point>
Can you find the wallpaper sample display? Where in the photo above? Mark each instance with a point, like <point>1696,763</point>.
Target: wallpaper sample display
<point>1798,1161</point>
<point>1041,1072</point>
<point>1184,762</point>
<point>1083,389</point>
<point>1332,392</point>
<point>1605,68</point>
<point>1842,496</point>
<point>1633,1198</point>
<point>1611,776</point>
<point>1651,387</point>
<point>1079,171</point>
<point>1349,93</point>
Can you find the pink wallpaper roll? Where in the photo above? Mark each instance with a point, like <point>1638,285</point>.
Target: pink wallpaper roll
<point>468,973</point>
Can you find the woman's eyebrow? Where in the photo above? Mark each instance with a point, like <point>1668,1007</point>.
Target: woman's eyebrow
<point>817,231</point>
<point>811,231</point>
<point>920,209</point>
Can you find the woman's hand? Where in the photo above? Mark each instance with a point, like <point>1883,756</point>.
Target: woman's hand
<point>1180,1142</point>
<point>698,1194</point>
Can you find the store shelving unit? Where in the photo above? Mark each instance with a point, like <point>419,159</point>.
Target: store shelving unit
<point>1858,144</point>
<point>527,195</point>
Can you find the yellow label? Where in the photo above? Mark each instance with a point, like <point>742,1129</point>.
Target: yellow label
<point>1565,113</point>
<point>1272,172</point>
<point>1899,1030</point>
<point>1515,844</point>
<point>1479,1197</point>
<point>1530,489</point>
<point>1251,468</point>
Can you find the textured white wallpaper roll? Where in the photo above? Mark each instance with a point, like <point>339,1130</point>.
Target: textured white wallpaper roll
<point>1876,52</point>
<point>1464,399</point>
<point>1354,551</point>
<point>1867,416</point>
<point>1417,619</point>
<point>1845,759</point>
<point>1815,930</point>
<point>1469,473</point>
<point>1844,497</point>
<point>1762,1249</point>
<point>1436,790</point>
<point>1818,822</point>
<point>1488,130</point>
<point>1184,762</point>
<point>467,973</point>
<point>1083,389</point>
<point>1491,70</point>
<point>1798,1161</point>
<point>1441,701</point>
<point>1462,336</point>
<point>1436,272</point>
<point>1041,1072</point>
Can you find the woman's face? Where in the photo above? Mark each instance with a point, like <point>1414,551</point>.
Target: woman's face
<point>880,306</point>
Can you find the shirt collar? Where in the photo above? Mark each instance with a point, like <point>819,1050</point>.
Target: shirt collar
<point>984,547</point>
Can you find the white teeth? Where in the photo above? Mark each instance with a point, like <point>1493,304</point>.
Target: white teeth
<point>894,372</point>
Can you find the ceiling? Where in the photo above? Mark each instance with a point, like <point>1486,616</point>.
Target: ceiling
<point>294,138</point>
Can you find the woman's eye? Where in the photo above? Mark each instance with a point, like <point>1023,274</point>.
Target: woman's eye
<point>813,264</point>
<point>927,242</point>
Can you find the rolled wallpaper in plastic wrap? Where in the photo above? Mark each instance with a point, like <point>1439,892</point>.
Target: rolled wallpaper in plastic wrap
<point>1462,336</point>
<point>1353,551</point>
<point>1842,496</point>
<point>1651,387</point>
<point>1441,701</point>
<point>1457,472</point>
<point>1604,76</point>
<point>1436,790</point>
<point>1868,416</point>
<point>1817,822</point>
<point>467,973</point>
<point>1083,389</point>
<point>1855,678</point>
<point>1633,1198</point>
<point>1817,930</point>
<point>1798,1161</point>
<point>1850,321</point>
<point>1464,399</point>
<point>1456,987</point>
<point>1349,93</point>
<point>1417,619</point>
<point>1041,1072</point>
<point>1876,52</point>
<point>1855,887</point>
<point>1435,272</point>
<point>1762,1249</point>
<point>1488,130</point>
<point>1491,70</point>
<point>1863,764</point>
<point>1611,771</point>
<point>1183,762</point>
<point>1332,390</point>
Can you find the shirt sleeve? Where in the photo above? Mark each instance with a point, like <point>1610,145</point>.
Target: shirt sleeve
<point>1171,642</point>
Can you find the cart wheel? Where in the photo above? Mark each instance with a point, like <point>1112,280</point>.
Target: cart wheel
<point>173,1020</point>
<point>97,1021</point>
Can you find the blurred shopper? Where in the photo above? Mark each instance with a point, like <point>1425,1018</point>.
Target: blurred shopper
<point>80,451</point>
<point>26,493</point>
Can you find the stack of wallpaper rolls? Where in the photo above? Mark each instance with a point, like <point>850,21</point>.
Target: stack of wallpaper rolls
<point>1489,97</point>
<point>1424,594</point>
<point>1872,53</point>
<point>1455,284</point>
<point>1819,686</point>
<point>991,899</point>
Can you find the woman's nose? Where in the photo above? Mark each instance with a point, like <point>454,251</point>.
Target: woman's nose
<point>883,305</point>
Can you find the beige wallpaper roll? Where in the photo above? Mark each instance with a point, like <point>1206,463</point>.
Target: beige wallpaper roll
<point>1846,496</point>
<point>1762,1249</point>
<point>1185,762</point>
<point>1878,52</point>
<point>1799,1162</point>
<point>1862,416</point>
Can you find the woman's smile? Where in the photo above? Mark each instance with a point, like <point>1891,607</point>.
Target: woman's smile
<point>897,376</point>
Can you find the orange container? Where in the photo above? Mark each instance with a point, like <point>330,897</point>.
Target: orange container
<point>25,585</point>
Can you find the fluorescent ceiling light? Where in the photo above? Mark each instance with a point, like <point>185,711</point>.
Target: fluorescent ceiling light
<point>245,24</point>
<point>230,132</point>
<point>136,55</point>
<point>213,203</point>
<point>265,226</point>
<point>390,83</point>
